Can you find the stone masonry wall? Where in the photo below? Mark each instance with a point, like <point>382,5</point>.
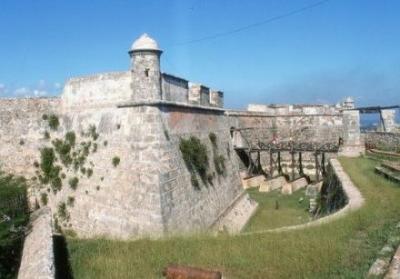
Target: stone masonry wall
<point>174,89</point>
<point>97,90</point>
<point>383,141</point>
<point>21,132</point>
<point>185,207</point>
<point>117,201</point>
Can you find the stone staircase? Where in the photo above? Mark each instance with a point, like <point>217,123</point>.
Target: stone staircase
<point>390,170</point>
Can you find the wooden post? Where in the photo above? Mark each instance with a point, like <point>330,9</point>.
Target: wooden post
<point>301,172</point>
<point>293,164</point>
<point>271,163</point>
<point>316,166</point>
<point>279,163</point>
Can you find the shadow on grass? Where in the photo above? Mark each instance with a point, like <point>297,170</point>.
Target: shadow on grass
<point>61,258</point>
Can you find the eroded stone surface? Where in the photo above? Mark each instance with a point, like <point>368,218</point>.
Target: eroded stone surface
<point>37,256</point>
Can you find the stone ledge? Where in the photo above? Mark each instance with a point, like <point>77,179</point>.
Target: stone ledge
<point>38,255</point>
<point>161,103</point>
<point>236,216</point>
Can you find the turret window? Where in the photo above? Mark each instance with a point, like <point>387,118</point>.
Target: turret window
<point>146,72</point>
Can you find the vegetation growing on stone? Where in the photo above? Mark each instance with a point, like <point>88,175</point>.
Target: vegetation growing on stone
<point>45,117</point>
<point>105,143</point>
<point>50,172</point>
<point>93,133</point>
<point>219,163</point>
<point>194,154</point>
<point>44,198</point>
<point>70,138</point>
<point>63,149</point>
<point>213,139</point>
<point>89,172</point>
<point>46,135</point>
<point>71,201</point>
<point>73,182</point>
<point>53,122</point>
<point>115,161</point>
<point>62,211</point>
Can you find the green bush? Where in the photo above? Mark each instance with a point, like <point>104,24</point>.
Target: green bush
<point>47,158</point>
<point>70,138</point>
<point>89,172</point>
<point>46,135</point>
<point>13,218</point>
<point>62,211</point>
<point>93,133</point>
<point>53,122</point>
<point>194,154</point>
<point>71,201</point>
<point>219,163</point>
<point>73,182</point>
<point>44,198</point>
<point>115,161</point>
<point>213,138</point>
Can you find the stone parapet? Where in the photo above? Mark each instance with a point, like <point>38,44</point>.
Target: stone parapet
<point>38,255</point>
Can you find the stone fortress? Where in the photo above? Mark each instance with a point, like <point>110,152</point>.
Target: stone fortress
<point>139,184</point>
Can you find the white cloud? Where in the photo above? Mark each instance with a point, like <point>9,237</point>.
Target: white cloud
<point>57,85</point>
<point>39,93</point>
<point>27,92</point>
<point>22,91</point>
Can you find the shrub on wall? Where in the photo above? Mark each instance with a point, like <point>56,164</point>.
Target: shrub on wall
<point>53,122</point>
<point>219,163</point>
<point>194,154</point>
<point>73,182</point>
<point>115,161</point>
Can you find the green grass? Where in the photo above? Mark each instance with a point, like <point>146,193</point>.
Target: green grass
<point>291,211</point>
<point>344,248</point>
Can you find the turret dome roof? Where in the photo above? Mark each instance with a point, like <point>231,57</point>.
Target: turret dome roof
<point>144,42</point>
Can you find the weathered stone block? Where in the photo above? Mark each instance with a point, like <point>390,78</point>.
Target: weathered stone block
<point>273,184</point>
<point>299,184</point>
<point>251,182</point>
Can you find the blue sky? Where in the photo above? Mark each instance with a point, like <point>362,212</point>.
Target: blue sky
<point>337,49</point>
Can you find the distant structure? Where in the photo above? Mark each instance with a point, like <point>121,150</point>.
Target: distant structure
<point>121,170</point>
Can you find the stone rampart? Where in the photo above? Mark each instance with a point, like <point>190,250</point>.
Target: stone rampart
<point>22,132</point>
<point>383,141</point>
<point>38,252</point>
<point>174,89</point>
<point>98,90</point>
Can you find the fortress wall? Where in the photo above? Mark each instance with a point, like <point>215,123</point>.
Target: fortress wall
<point>21,132</point>
<point>216,98</point>
<point>121,201</point>
<point>185,207</point>
<point>293,109</point>
<point>382,140</point>
<point>98,90</point>
<point>174,89</point>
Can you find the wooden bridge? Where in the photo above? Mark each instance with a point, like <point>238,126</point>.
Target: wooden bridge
<point>295,144</point>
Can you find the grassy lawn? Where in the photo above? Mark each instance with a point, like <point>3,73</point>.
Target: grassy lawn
<point>344,248</point>
<point>276,210</point>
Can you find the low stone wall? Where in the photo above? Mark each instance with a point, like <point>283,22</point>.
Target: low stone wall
<point>38,256</point>
<point>382,140</point>
<point>353,195</point>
